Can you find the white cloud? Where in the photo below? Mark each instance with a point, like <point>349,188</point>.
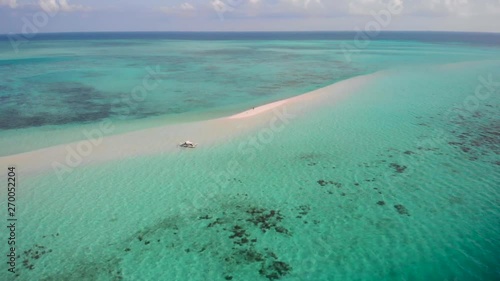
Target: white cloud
<point>366,7</point>
<point>310,8</point>
<point>453,8</point>
<point>11,3</point>
<point>183,10</point>
<point>51,6</point>
<point>186,7</point>
<point>292,4</point>
<point>302,3</point>
<point>269,8</point>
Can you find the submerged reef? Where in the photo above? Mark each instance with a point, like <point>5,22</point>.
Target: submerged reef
<point>401,209</point>
<point>398,168</point>
<point>230,235</point>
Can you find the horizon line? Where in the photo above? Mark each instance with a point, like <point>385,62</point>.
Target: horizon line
<point>257,31</point>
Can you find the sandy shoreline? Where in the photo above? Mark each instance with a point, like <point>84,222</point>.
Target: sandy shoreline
<point>258,110</point>
<point>165,139</point>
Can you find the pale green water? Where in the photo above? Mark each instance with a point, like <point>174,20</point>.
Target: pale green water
<point>333,178</point>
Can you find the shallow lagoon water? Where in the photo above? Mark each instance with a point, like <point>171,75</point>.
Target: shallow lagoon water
<point>390,183</point>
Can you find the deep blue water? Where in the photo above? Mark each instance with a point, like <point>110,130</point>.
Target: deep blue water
<point>421,36</point>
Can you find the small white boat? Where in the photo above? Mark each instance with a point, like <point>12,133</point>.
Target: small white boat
<point>188,144</point>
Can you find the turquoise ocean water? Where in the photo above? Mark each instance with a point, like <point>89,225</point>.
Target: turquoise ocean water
<point>397,181</point>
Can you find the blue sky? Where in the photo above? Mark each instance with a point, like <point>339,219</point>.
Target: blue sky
<point>248,15</point>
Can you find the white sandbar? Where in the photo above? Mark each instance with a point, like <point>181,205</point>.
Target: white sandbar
<point>166,139</point>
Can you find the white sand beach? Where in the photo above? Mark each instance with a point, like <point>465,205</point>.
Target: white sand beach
<point>258,110</point>
<point>166,139</point>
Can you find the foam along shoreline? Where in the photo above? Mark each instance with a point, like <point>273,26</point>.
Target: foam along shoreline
<point>166,139</point>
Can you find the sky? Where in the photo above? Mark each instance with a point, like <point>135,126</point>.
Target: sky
<point>41,16</point>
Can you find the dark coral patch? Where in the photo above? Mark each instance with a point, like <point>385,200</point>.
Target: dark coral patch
<point>325,183</point>
<point>265,221</point>
<point>275,270</point>
<point>401,209</point>
<point>322,182</point>
<point>398,168</point>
